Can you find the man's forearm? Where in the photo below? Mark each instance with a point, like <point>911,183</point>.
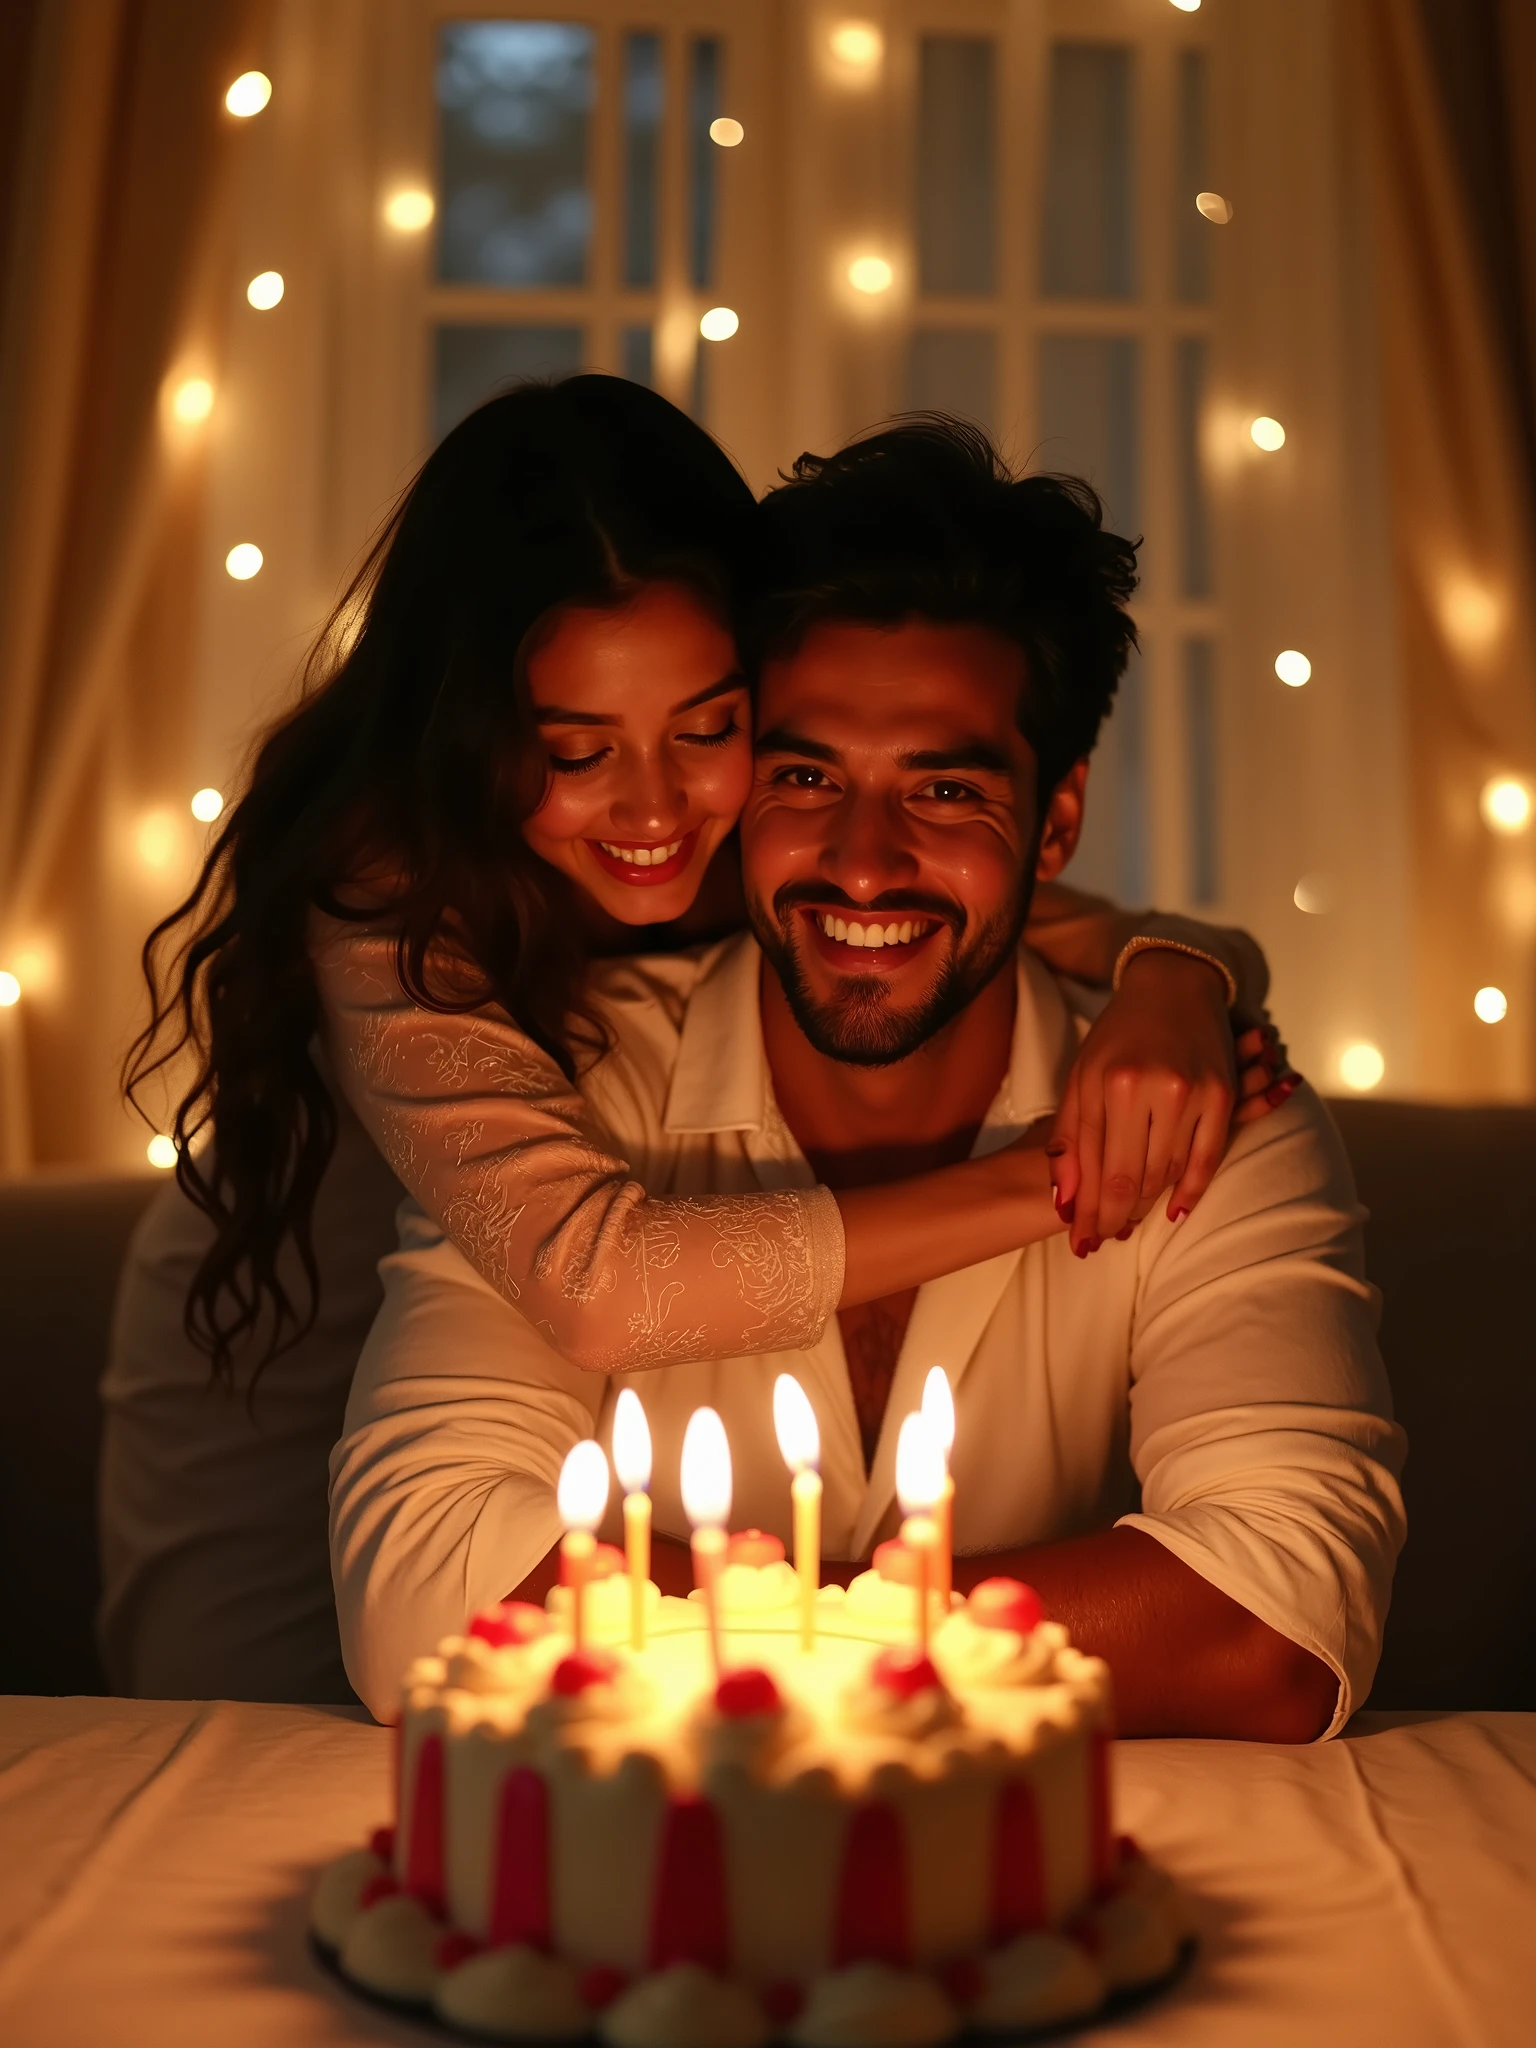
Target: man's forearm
<point>1186,1659</point>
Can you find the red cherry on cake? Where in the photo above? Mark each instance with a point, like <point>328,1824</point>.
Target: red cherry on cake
<point>510,1625</point>
<point>741,1694</point>
<point>573,1674</point>
<point>896,1562</point>
<point>752,1546</point>
<point>380,1886</point>
<point>1006,1603</point>
<point>381,1843</point>
<point>904,1672</point>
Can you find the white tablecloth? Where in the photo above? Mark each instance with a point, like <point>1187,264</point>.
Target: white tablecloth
<point>154,1859</point>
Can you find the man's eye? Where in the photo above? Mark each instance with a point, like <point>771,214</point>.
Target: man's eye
<point>577,764</point>
<point>951,792</point>
<point>801,778</point>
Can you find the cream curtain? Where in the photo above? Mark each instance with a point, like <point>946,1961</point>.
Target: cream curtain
<point>1463,547</point>
<point>113,246</point>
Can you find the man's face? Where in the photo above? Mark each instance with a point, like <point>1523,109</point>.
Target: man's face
<point>890,841</point>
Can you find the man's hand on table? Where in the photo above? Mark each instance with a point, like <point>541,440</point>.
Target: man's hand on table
<point>1187,1660</point>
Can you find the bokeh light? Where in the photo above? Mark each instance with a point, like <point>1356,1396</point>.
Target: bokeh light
<point>192,400</point>
<point>1506,804</point>
<point>1266,433</point>
<point>858,46</point>
<point>1361,1067</point>
<point>265,290</point>
<point>409,211</point>
<point>870,274</point>
<point>719,324</point>
<point>1214,207</point>
<point>244,561</point>
<point>726,132</point>
<point>1293,668</point>
<point>206,805</point>
<point>161,1151</point>
<point>249,94</point>
<point>10,990</point>
<point>1491,1005</point>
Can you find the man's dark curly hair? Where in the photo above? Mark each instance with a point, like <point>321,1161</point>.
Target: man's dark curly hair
<point>924,519</point>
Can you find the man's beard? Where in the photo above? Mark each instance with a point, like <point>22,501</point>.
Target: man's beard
<point>862,1027</point>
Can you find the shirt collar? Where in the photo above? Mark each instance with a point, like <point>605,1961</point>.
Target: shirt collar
<point>721,1080</point>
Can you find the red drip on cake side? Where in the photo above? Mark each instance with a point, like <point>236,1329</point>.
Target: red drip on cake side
<point>689,1923</point>
<point>1018,1864</point>
<point>873,1916</point>
<point>424,1843</point>
<point>520,1889</point>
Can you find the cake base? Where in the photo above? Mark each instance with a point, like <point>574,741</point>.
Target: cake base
<point>1119,2005</point>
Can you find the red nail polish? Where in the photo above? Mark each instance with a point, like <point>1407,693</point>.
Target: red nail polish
<point>1066,1210</point>
<point>1091,1244</point>
<point>1123,1236</point>
<point>1177,1213</point>
<point>1282,1091</point>
<point>1080,1251</point>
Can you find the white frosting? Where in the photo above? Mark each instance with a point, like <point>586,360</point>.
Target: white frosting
<point>606,1610</point>
<point>757,1595</point>
<point>514,1994</point>
<point>967,1653</point>
<point>390,1949</point>
<point>473,1665</point>
<point>336,1900</point>
<point>870,2005</point>
<point>685,2007</point>
<point>1134,1938</point>
<point>1038,1980</point>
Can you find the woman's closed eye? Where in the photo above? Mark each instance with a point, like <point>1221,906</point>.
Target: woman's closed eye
<point>577,764</point>
<point>729,731</point>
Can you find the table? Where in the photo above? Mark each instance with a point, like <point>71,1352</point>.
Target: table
<point>154,1857</point>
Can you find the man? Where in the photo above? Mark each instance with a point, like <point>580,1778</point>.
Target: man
<point>935,655</point>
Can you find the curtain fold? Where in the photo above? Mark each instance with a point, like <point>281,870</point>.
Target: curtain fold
<point>112,287</point>
<point>1464,546</point>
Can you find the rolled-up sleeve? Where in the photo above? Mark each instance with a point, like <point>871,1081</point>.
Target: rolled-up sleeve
<point>442,1490</point>
<point>1261,1419</point>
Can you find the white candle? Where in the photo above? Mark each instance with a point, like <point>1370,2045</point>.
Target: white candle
<point>632,1462</point>
<point>919,1483</point>
<point>582,1498</point>
<point>794,1422</point>
<point>706,1489</point>
<point>939,1414</point>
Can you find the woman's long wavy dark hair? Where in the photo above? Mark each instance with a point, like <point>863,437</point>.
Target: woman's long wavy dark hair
<point>413,756</point>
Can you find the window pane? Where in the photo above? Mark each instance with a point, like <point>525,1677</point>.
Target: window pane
<point>955,165</point>
<point>703,107</point>
<point>473,362</point>
<point>513,104</point>
<point>1204,770</point>
<point>636,345</point>
<point>1090,194</point>
<point>1089,418</point>
<point>951,369</point>
<point>1194,511</point>
<point>643,93</point>
<point>1113,857</point>
<point>1191,231</point>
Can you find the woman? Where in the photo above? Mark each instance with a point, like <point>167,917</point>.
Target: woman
<point>538,746</point>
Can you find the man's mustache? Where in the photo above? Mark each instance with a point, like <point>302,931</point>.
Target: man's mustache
<point>890,903</point>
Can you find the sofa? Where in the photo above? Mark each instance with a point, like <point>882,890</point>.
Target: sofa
<point>1451,1243</point>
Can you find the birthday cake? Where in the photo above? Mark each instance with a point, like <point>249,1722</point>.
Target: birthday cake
<point>726,1837</point>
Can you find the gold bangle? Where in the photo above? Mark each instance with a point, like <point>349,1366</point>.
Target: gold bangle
<point>1149,941</point>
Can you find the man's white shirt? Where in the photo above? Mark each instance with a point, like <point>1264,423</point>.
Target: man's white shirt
<point>1215,1383</point>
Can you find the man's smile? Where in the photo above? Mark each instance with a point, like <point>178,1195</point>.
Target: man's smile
<point>876,941</point>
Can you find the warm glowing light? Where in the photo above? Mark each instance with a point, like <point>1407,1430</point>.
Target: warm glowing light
<point>1214,207</point>
<point>582,1494</point>
<point>10,990</point>
<point>1472,614</point>
<point>244,561</point>
<point>726,132</point>
<point>1506,804</point>
<point>1491,1005</point>
<point>919,1465</point>
<point>1293,668</point>
<point>870,274</point>
<point>192,400</point>
<point>718,324</point>
<point>409,211</point>
<point>206,805</point>
<point>1187,6</point>
<point>249,94</point>
<point>631,1443</point>
<point>938,1409</point>
<point>265,290</point>
<point>858,46</point>
<point>794,1424</point>
<point>1266,433</point>
<point>1361,1067</point>
<point>161,1151</point>
<point>706,1472</point>
<point>158,838</point>
<point>1314,894</point>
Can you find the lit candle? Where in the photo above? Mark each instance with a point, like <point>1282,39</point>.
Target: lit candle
<point>939,1414</point>
<point>794,1422</point>
<point>632,1462</point>
<point>706,1486</point>
<point>919,1483</point>
<point>582,1497</point>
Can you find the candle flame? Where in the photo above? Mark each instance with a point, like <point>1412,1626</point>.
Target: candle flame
<point>919,1465</point>
<point>706,1474</point>
<point>794,1423</point>
<point>631,1443</point>
<point>583,1490</point>
<point>939,1409</point>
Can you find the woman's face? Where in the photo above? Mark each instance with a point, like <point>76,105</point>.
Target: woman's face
<point>644,713</point>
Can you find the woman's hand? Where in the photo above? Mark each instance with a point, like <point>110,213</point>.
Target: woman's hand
<point>1153,1096</point>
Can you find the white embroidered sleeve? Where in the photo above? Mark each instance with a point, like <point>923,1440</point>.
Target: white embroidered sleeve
<point>498,1147</point>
